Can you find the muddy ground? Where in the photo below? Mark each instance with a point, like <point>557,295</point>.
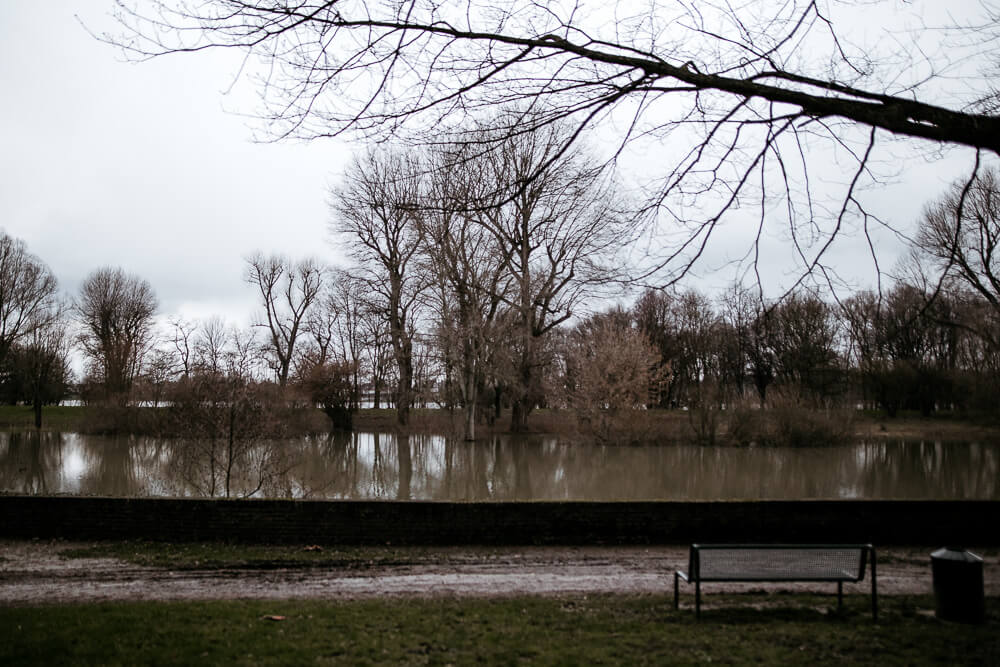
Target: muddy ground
<point>33,573</point>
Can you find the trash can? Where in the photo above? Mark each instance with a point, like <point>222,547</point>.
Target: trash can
<point>958,585</point>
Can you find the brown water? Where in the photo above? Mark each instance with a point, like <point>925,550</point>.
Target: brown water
<point>421,467</point>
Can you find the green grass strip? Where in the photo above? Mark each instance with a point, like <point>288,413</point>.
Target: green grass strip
<point>773,630</point>
<point>54,417</point>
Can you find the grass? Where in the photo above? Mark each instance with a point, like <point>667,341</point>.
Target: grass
<point>54,417</point>
<point>567,630</point>
<point>761,627</point>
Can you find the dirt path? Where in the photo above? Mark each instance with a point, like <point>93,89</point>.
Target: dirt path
<point>34,573</point>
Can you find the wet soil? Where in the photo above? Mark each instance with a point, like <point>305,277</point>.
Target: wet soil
<point>34,573</point>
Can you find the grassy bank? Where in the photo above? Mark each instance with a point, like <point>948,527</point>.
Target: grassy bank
<point>54,417</point>
<point>564,630</point>
<point>655,426</point>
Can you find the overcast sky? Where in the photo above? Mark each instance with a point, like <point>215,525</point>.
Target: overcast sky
<point>148,167</point>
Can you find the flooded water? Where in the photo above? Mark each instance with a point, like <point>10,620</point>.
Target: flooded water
<point>422,467</point>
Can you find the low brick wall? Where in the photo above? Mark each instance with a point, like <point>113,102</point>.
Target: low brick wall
<point>882,522</point>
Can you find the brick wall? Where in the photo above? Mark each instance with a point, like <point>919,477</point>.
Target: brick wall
<point>882,522</point>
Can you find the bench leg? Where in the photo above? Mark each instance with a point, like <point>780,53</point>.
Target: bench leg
<point>840,596</point>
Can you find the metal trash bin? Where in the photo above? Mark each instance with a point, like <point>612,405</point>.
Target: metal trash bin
<point>958,585</point>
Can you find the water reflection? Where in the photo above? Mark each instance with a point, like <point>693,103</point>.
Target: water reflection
<point>421,467</point>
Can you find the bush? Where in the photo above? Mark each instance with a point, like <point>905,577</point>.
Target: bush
<point>610,369</point>
<point>745,423</point>
<point>788,423</point>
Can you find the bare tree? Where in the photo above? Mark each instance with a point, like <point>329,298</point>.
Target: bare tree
<point>652,315</point>
<point>242,356</point>
<point>904,349</point>
<point>377,350</point>
<point>696,366</point>
<point>471,270</point>
<point>329,370</point>
<point>751,320</point>
<point>611,371</point>
<point>804,337</point>
<point>183,340</point>
<point>39,365</point>
<point>345,297</point>
<point>376,209</point>
<point>159,370</point>
<point>115,311</point>
<point>753,98</point>
<point>959,242</point>
<point>210,343</point>
<point>27,294</point>
<point>287,291</point>
<point>556,236</point>
<point>684,329</point>
<point>321,327</point>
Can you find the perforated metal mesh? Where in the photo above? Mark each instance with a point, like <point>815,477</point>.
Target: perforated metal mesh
<point>776,564</point>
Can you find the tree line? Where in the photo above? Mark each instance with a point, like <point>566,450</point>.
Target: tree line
<point>464,297</point>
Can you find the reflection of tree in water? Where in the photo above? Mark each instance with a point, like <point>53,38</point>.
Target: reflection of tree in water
<point>383,465</point>
<point>29,460</point>
<point>405,468</point>
<point>503,468</point>
<point>907,469</point>
<point>425,464</point>
<point>317,457</point>
<point>328,466</point>
<point>123,465</point>
<point>110,469</point>
<point>367,465</point>
<point>523,468</point>
<point>218,467</point>
<point>378,481</point>
<point>380,465</point>
<point>392,466</point>
<point>466,468</point>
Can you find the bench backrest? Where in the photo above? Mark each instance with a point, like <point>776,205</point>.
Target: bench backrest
<point>779,562</point>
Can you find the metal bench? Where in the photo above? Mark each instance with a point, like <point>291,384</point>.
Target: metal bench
<point>778,562</point>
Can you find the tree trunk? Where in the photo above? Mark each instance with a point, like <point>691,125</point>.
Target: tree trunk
<point>471,397</point>
<point>470,421</point>
<point>524,401</point>
<point>519,416</point>
<point>341,418</point>
<point>37,404</point>
<point>404,390</point>
<point>356,389</point>
<point>497,403</point>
